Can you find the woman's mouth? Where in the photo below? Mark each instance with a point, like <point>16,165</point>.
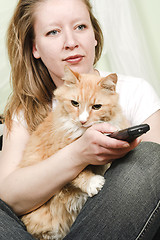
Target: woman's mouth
<point>74,59</point>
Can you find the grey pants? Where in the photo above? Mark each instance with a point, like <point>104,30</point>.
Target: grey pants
<point>127,208</point>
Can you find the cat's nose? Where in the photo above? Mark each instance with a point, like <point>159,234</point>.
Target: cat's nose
<point>83,122</point>
<point>83,117</point>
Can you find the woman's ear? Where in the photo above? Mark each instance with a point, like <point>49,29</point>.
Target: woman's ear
<point>35,51</point>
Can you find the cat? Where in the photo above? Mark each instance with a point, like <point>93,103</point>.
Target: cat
<point>82,100</point>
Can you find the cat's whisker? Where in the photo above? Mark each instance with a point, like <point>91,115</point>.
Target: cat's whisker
<point>72,128</point>
<point>92,123</point>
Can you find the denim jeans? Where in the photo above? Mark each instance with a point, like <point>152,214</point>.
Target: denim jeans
<point>127,208</point>
<point>11,227</point>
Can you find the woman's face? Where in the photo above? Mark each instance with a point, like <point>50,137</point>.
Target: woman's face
<point>64,36</point>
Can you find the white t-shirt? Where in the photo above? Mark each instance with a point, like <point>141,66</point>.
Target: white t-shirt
<point>136,97</point>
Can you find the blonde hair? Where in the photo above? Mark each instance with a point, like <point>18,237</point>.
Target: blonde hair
<point>30,79</point>
<point>97,31</point>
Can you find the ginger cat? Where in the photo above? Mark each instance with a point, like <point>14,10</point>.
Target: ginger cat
<point>82,100</point>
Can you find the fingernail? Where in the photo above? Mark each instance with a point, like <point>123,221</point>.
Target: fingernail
<point>139,140</point>
<point>126,144</point>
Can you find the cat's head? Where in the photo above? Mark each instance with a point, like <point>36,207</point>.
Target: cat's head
<point>86,99</point>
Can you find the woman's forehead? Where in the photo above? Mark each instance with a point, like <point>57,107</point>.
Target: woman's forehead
<point>53,12</point>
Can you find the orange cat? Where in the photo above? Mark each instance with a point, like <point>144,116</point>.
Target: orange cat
<point>81,101</point>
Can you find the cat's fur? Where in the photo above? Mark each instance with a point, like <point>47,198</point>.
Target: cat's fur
<point>62,126</point>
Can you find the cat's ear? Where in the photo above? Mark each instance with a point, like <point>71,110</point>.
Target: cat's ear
<point>70,77</point>
<point>109,82</point>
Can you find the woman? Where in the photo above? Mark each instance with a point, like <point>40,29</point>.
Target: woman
<point>43,37</point>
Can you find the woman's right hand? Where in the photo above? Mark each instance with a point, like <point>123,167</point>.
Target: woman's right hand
<point>96,148</point>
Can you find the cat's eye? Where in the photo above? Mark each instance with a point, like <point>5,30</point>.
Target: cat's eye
<point>75,103</point>
<point>96,106</point>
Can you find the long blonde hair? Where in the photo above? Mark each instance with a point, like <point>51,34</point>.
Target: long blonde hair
<point>31,83</point>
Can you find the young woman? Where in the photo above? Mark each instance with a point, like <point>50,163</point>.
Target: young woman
<point>43,37</point>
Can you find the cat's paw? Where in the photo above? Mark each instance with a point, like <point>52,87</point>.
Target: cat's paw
<point>95,185</point>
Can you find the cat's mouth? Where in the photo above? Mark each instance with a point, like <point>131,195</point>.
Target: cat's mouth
<point>87,125</point>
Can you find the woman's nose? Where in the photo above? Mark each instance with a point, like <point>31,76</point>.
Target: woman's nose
<point>70,41</point>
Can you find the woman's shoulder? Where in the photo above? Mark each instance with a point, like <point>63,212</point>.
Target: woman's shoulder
<point>126,81</point>
<point>137,98</point>
<point>19,118</point>
<point>131,85</point>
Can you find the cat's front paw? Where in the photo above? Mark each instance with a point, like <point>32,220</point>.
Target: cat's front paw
<point>95,185</point>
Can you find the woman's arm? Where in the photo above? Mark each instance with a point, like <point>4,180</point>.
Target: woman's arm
<point>27,188</point>
<point>154,134</point>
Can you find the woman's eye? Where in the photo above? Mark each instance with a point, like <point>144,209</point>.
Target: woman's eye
<point>74,103</point>
<point>96,106</point>
<point>53,32</point>
<point>81,27</point>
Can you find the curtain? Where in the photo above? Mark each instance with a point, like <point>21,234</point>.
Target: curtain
<point>125,46</point>
<point>6,11</point>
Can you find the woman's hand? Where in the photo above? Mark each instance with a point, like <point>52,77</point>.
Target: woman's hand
<point>96,148</point>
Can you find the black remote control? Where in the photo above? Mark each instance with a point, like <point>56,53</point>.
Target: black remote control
<point>131,133</point>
